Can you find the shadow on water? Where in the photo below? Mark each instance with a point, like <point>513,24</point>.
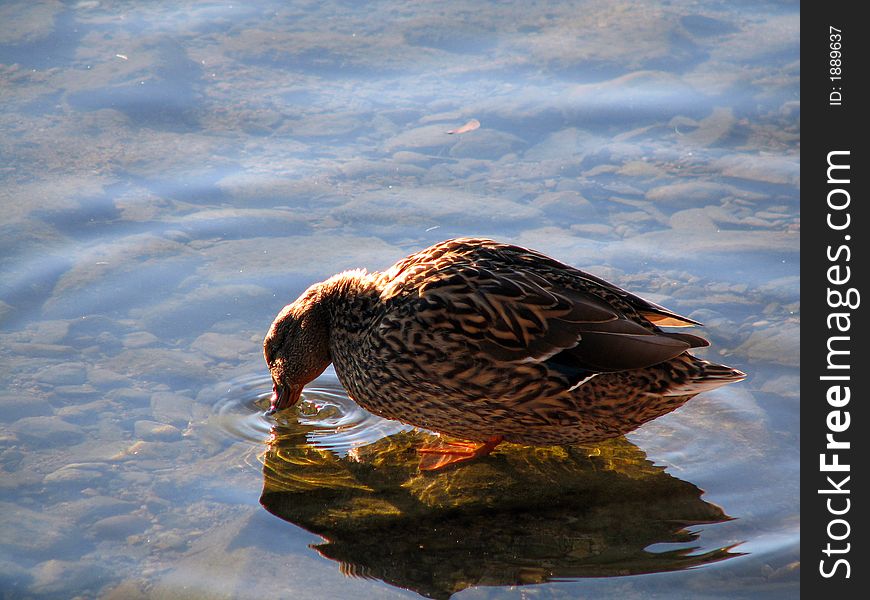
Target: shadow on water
<point>520,516</point>
<point>56,49</point>
<point>167,95</point>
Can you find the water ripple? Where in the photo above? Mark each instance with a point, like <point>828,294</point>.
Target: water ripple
<point>330,418</point>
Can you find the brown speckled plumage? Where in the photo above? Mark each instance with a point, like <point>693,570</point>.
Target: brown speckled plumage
<point>480,340</point>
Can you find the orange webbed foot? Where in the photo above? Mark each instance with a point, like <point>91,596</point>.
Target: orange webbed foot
<point>435,458</point>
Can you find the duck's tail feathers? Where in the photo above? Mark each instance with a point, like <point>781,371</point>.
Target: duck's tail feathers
<point>706,376</point>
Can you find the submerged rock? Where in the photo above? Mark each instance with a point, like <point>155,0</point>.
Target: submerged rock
<point>222,346</point>
<point>62,374</point>
<point>47,432</point>
<point>74,476</point>
<point>152,430</point>
<point>15,406</point>
<point>170,408</point>
<point>34,533</point>
<point>57,577</point>
<point>119,526</point>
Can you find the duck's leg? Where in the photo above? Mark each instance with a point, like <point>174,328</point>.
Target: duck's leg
<point>434,458</point>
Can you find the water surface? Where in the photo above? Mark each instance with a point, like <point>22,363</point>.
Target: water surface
<point>172,175</point>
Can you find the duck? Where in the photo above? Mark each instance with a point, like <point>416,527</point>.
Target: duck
<point>489,342</point>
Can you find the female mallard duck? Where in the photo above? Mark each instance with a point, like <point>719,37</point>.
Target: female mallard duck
<point>490,342</point>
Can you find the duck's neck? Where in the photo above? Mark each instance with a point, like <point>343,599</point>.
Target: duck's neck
<point>352,297</point>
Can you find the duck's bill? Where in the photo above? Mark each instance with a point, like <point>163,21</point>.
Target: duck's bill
<point>283,396</point>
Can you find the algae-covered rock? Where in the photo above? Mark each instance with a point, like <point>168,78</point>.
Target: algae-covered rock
<point>521,515</point>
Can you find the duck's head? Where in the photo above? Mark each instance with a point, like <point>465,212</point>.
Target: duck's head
<point>297,347</point>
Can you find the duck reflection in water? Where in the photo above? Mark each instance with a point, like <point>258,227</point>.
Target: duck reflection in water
<point>522,515</point>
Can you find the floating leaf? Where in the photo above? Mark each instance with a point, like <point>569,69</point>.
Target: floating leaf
<point>470,126</point>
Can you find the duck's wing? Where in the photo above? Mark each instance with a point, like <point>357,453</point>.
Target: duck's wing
<point>652,312</point>
<point>571,324</point>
